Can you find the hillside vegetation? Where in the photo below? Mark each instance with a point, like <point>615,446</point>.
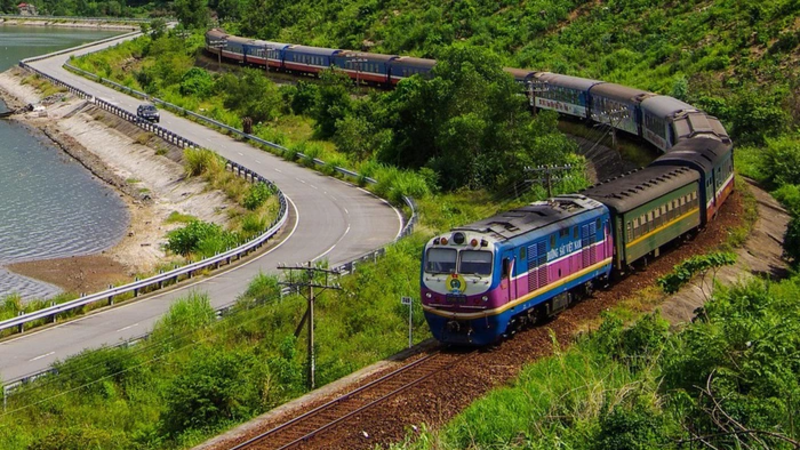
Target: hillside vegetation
<point>638,387</point>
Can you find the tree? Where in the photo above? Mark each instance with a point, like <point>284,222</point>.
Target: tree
<point>250,94</point>
<point>192,13</point>
<point>470,124</point>
<point>334,101</point>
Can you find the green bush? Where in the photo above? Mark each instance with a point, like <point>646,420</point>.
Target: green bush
<point>204,238</point>
<point>257,195</point>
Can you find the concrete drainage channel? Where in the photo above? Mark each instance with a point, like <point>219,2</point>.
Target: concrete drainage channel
<point>159,281</point>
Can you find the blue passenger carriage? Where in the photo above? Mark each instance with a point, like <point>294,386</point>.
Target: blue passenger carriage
<point>658,114</point>
<point>518,265</point>
<point>306,59</point>
<point>365,67</point>
<point>264,52</point>
<point>618,106</point>
<point>563,93</point>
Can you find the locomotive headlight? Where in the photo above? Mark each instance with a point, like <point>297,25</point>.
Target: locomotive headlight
<point>485,298</point>
<point>459,238</point>
<point>428,295</point>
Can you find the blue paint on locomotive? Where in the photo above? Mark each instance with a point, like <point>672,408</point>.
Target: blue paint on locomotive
<point>549,247</point>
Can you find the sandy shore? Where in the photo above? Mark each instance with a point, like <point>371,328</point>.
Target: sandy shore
<point>73,24</point>
<point>145,171</point>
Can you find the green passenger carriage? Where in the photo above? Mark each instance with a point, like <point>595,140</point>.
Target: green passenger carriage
<point>649,208</point>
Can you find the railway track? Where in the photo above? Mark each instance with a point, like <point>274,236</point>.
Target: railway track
<point>301,429</point>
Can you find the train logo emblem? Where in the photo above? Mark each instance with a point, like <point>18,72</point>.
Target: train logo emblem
<point>456,283</point>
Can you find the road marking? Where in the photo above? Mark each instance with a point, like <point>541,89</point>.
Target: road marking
<point>277,170</point>
<point>313,187</point>
<point>41,356</point>
<point>240,153</point>
<point>346,211</point>
<point>128,327</point>
<point>258,162</point>
<point>334,245</point>
<point>298,179</point>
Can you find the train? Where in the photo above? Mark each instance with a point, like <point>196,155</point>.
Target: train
<point>480,281</point>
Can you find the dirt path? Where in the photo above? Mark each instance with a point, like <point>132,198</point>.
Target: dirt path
<point>761,256</point>
<point>144,170</point>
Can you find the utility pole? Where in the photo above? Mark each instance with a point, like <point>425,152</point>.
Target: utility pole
<point>302,276</point>
<point>267,49</point>
<point>218,45</point>
<point>546,175</point>
<point>613,117</point>
<point>536,87</point>
<point>357,61</point>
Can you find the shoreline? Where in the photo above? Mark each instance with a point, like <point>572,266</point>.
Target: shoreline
<point>68,23</point>
<point>142,169</point>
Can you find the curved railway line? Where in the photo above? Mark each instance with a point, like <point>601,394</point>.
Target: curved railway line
<point>303,428</point>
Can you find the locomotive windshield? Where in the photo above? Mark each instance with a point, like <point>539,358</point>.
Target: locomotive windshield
<point>441,260</point>
<point>476,262</point>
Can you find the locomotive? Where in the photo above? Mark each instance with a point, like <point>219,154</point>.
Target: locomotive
<point>480,280</point>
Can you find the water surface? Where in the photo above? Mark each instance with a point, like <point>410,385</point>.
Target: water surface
<point>50,205</point>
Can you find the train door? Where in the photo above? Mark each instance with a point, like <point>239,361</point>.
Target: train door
<point>508,275</point>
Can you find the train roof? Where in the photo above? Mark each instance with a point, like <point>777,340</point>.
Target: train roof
<point>520,75</point>
<point>567,81</point>
<point>513,223</point>
<point>369,56</point>
<point>415,62</point>
<point>693,124</point>
<point>270,44</point>
<point>701,152</point>
<point>318,51</point>
<point>620,93</point>
<point>634,189</point>
<point>665,107</point>
<point>217,32</point>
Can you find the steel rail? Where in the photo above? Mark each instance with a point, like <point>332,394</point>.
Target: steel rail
<point>322,408</point>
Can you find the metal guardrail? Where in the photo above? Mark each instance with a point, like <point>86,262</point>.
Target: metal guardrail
<point>84,19</point>
<point>158,280</point>
<point>80,47</point>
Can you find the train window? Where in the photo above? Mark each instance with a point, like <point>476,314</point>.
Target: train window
<point>478,262</point>
<point>564,232</point>
<point>630,231</point>
<point>441,260</point>
<point>522,253</point>
<point>575,233</point>
<point>598,224</point>
<point>552,241</point>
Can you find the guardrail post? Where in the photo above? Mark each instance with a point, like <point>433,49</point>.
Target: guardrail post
<point>110,297</point>
<point>161,282</point>
<point>21,327</point>
<point>136,290</point>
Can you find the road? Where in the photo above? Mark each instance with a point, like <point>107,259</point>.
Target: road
<point>333,220</point>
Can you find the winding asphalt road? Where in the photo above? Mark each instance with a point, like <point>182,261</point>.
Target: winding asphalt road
<point>333,220</point>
